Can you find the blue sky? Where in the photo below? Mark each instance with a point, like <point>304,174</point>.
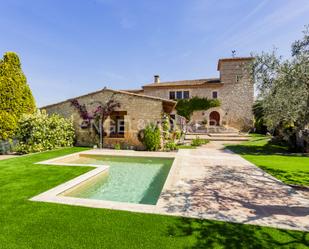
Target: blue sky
<point>72,47</point>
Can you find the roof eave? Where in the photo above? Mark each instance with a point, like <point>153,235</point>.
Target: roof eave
<point>115,91</point>
<point>168,107</point>
<point>233,59</point>
<point>185,85</point>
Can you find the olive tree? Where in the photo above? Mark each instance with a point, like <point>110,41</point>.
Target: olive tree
<point>283,87</point>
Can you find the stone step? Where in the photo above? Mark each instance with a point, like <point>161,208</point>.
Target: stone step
<point>216,130</point>
<point>238,138</point>
<point>228,138</point>
<point>234,134</point>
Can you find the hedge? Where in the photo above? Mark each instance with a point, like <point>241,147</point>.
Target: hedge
<point>39,132</point>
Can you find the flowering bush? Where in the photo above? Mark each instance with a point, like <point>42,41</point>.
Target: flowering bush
<point>39,132</point>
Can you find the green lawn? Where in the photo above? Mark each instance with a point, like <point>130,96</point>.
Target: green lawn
<point>26,224</point>
<point>274,159</point>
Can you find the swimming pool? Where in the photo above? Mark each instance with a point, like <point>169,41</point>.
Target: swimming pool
<point>128,179</point>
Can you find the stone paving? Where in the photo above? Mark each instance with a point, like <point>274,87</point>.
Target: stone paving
<point>208,183</point>
<point>218,137</point>
<point>213,183</point>
<point>3,157</point>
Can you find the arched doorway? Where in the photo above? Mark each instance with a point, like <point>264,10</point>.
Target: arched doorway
<point>214,118</point>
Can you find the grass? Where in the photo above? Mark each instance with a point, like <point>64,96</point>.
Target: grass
<point>199,141</point>
<point>288,167</point>
<point>25,224</point>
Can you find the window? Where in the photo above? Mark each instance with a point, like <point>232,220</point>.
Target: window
<point>117,124</point>
<point>120,126</point>
<point>179,94</point>
<point>214,95</point>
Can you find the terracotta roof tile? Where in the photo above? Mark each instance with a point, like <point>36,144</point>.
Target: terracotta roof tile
<point>185,82</point>
<point>168,101</point>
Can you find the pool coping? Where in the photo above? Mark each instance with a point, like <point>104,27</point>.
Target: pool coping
<point>54,195</point>
<point>193,170</point>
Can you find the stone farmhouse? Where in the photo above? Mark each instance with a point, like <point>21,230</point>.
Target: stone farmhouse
<point>234,88</point>
<point>123,126</point>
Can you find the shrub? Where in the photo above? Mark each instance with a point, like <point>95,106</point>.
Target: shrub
<point>15,95</point>
<point>166,127</point>
<point>39,132</point>
<point>8,125</point>
<point>185,107</point>
<point>178,134</point>
<point>198,141</point>
<point>117,147</point>
<point>152,137</point>
<point>171,145</point>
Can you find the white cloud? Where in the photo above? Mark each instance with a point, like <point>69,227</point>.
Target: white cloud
<point>282,15</point>
<point>247,18</point>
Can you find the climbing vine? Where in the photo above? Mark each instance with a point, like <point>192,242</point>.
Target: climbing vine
<point>100,114</point>
<point>186,107</point>
<point>82,110</point>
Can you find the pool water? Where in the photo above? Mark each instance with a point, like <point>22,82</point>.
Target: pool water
<point>128,179</point>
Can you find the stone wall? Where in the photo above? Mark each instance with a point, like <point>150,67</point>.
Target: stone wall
<point>201,91</point>
<point>140,111</point>
<point>235,92</point>
<point>237,95</point>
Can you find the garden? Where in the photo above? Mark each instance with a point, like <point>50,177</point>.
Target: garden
<point>276,159</point>
<point>27,224</point>
<point>281,113</point>
<point>24,128</point>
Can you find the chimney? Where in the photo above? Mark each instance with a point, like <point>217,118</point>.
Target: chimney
<point>157,79</point>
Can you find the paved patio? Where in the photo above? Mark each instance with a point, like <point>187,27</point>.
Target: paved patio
<point>3,157</point>
<point>207,183</point>
<point>213,183</point>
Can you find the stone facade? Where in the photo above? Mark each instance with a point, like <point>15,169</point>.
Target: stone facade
<point>139,107</point>
<point>139,111</point>
<point>234,88</point>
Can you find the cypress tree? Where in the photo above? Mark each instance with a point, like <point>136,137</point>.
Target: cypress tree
<point>15,94</point>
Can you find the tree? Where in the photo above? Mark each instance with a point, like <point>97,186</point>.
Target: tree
<point>8,125</point>
<point>301,46</point>
<point>15,95</point>
<point>259,119</point>
<point>283,87</point>
<point>101,113</point>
